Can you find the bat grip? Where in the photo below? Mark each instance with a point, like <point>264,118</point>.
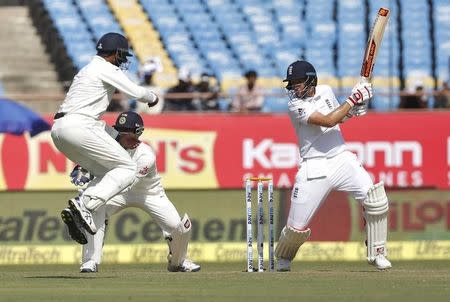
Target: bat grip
<point>366,104</point>
<point>365,80</point>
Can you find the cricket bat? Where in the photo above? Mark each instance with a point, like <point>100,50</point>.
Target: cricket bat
<point>373,44</point>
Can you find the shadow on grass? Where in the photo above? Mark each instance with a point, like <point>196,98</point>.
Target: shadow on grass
<point>69,277</point>
<point>371,271</point>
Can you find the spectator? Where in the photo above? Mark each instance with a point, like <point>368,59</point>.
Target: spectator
<point>415,100</point>
<point>146,72</point>
<point>211,101</point>
<point>442,98</point>
<point>183,102</point>
<point>249,96</point>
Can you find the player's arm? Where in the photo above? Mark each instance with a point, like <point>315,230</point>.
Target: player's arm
<point>115,77</point>
<point>145,162</point>
<point>361,93</point>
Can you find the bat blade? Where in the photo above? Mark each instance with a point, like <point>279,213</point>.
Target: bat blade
<point>374,43</point>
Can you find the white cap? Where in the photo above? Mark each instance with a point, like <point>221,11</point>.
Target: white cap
<point>150,66</point>
<point>184,74</point>
<point>418,83</point>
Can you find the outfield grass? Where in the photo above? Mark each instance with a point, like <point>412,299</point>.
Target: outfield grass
<point>310,281</point>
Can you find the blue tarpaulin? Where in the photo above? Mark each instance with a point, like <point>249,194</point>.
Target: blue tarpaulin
<point>17,119</point>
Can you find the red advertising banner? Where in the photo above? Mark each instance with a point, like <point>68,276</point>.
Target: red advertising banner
<point>405,149</point>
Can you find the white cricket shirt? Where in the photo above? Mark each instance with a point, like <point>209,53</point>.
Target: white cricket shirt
<point>94,85</point>
<point>313,140</point>
<point>149,178</point>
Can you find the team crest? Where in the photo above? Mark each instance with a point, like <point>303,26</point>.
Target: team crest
<point>290,70</point>
<point>144,170</point>
<point>122,120</point>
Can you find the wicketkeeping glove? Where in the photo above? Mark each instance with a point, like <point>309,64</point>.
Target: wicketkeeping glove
<point>361,93</point>
<point>80,176</point>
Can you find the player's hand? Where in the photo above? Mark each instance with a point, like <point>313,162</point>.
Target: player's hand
<point>359,109</point>
<point>80,176</point>
<point>151,104</point>
<point>361,93</point>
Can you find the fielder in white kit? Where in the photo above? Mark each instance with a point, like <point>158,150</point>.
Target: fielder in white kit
<point>147,194</point>
<point>327,165</point>
<point>79,133</point>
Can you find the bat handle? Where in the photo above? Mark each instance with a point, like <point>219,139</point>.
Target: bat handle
<point>365,80</point>
<point>366,104</point>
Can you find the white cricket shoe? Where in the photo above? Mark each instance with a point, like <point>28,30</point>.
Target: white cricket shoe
<point>283,265</point>
<point>187,266</point>
<point>84,215</point>
<point>381,262</point>
<point>89,267</point>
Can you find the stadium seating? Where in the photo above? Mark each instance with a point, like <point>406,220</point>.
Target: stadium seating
<point>351,40</point>
<point>386,78</point>
<point>417,56</point>
<point>228,37</point>
<point>441,19</point>
<point>72,29</point>
<point>98,17</point>
<point>144,38</point>
<point>321,39</point>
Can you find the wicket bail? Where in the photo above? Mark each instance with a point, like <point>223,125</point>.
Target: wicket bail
<point>260,229</point>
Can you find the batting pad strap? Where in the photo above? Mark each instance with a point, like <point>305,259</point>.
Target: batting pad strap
<point>376,202</point>
<point>290,241</point>
<point>375,213</point>
<point>93,203</point>
<point>178,241</point>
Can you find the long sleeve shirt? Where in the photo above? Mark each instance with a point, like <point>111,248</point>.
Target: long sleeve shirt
<point>94,85</point>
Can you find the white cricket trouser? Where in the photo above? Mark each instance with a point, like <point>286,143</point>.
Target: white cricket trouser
<point>159,207</point>
<point>343,172</point>
<point>85,141</point>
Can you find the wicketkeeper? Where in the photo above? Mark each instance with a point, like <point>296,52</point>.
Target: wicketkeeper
<point>147,194</point>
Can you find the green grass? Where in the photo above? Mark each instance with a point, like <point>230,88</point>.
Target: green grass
<point>309,281</point>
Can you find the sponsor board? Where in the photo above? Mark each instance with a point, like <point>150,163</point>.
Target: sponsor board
<point>31,230</point>
<point>220,252</point>
<point>210,151</point>
<point>220,216</point>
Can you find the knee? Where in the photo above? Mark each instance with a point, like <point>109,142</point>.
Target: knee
<point>297,224</point>
<point>376,201</point>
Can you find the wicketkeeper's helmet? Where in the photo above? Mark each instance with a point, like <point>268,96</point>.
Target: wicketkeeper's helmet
<point>129,122</point>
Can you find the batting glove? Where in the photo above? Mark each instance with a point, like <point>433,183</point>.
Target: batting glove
<point>359,109</point>
<point>80,176</point>
<point>361,93</point>
<point>151,104</point>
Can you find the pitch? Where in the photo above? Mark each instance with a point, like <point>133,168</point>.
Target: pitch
<point>310,281</point>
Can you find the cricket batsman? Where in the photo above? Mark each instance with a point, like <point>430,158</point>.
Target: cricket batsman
<point>79,133</point>
<point>327,165</point>
<point>147,194</point>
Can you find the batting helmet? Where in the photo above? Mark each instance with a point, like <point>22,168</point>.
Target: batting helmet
<point>300,70</point>
<point>129,122</point>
